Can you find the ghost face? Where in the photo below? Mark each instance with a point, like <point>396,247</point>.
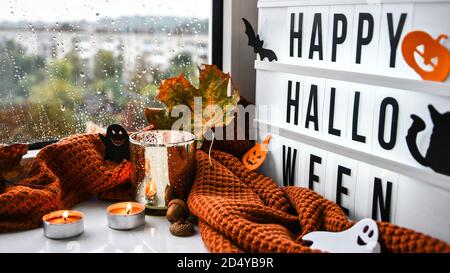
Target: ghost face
<point>367,233</point>
<point>117,135</point>
<point>362,237</point>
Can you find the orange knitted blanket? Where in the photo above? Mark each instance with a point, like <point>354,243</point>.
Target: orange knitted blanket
<point>238,210</point>
<point>245,211</point>
<point>62,175</point>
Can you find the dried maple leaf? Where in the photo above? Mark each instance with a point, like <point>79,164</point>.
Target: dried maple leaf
<point>176,91</point>
<point>217,108</point>
<point>159,118</point>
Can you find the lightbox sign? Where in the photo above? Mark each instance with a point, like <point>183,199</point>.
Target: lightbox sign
<point>360,104</point>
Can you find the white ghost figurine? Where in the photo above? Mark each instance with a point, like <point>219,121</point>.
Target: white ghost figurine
<point>362,237</point>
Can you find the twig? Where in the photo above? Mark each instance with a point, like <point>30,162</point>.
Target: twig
<point>210,148</point>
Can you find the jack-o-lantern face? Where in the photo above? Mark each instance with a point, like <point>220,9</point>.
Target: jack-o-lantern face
<point>426,56</point>
<point>255,157</point>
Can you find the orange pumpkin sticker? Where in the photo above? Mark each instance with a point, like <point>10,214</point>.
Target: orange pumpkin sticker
<point>427,56</point>
<point>255,157</point>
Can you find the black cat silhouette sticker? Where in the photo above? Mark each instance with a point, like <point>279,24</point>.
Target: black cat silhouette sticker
<point>438,154</point>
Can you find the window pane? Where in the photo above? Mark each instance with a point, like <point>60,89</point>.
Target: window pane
<point>64,63</point>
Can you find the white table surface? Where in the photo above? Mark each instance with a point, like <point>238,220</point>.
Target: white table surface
<point>98,237</point>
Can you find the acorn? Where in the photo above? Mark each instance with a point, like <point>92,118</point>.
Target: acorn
<point>177,210</point>
<point>182,228</point>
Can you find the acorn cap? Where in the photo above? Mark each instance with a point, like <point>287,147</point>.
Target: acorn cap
<point>180,203</point>
<point>182,228</point>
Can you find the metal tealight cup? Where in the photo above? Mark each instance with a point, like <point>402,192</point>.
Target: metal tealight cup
<point>123,221</point>
<point>54,230</point>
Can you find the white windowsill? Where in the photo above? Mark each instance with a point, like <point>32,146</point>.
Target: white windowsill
<point>154,237</point>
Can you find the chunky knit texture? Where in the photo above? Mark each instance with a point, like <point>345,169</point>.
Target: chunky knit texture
<point>10,167</point>
<point>244,211</point>
<point>238,210</point>
<point>62,175</point>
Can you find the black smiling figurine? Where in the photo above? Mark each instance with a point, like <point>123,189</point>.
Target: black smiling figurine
<point>117,143</point>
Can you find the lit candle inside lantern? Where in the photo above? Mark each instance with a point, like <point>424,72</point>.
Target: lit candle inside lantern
<point>150,189</point>
<point>125,215</point>
<point>63,224</point>
<point>169,160</point>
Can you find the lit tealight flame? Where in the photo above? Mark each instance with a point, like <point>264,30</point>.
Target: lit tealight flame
<point>128,209</point>
<point>65,215</point>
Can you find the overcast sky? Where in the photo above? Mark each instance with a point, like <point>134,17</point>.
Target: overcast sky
<point>70,10</point>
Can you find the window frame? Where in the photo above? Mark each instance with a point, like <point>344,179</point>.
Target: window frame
<point>216,54</point>
<point>217,33</point>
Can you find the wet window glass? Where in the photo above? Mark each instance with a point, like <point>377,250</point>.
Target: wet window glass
<point>66,63</point>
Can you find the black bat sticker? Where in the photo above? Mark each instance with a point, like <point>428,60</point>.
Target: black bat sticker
<point>257,44</point>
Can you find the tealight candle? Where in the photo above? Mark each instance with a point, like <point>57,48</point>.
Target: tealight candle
<point>63,224</point>
<point>125,215</point>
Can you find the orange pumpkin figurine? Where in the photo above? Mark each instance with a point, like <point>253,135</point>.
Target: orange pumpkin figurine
<point>255,157</point>
<point>427,56</point>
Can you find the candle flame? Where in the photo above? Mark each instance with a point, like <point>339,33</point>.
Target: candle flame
<point>128,209</point>
<point>150,189</point>
<point>65,215</point>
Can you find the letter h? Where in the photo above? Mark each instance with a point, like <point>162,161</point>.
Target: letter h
<point>293,102</point>
<point>296,35</point>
